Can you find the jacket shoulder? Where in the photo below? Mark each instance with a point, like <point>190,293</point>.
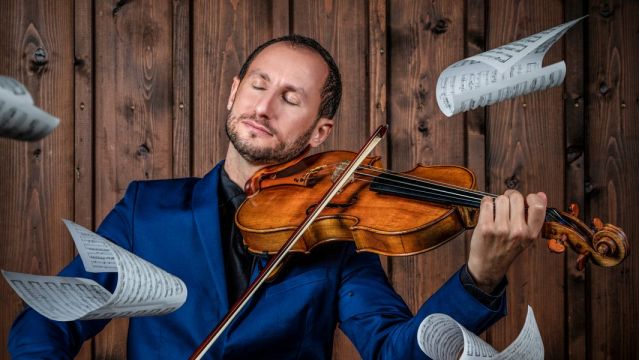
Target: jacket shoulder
<point>163,193</point>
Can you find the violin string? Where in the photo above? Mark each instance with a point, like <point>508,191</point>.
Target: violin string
<point>477,193</point>
<point>469,198</point>
<point>551,213</point>
<point>456,196</point>
<point>435,187</point>
<point>467,191</point>
<point>433,193</point>
<point>457,189</point>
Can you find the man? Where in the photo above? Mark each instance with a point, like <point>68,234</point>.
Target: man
<point>283,100</point>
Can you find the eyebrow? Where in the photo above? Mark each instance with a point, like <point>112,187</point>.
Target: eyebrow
<point>263,75</point>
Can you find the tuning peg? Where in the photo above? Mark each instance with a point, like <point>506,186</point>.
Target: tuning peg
<point>557,246</point>
<point>597,223</point>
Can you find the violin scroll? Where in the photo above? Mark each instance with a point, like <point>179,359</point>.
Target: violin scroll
<point>605,244</point>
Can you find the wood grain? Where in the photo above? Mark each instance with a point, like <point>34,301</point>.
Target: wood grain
<point>36,186</point>
<point>612,162</point>
<point>182,84</point>
<point>84,115</point>
<point>525,138</point>
<point>475,38</point>
<point>575,292</point>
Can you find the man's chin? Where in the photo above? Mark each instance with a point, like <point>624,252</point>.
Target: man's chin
<point>258,156</point>
<point>264,158</point>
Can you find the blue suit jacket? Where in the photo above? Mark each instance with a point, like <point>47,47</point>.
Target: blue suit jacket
<point>175,225</point>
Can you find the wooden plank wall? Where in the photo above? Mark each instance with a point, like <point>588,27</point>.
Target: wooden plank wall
<point>141,90</point>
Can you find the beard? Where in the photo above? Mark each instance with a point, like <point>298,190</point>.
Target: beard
<point>281,152</point>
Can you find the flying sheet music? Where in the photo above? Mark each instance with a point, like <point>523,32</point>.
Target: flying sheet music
<point>442,338</point>
<point>143,289</point>
<point>502,73</point>
<point>19,118</point>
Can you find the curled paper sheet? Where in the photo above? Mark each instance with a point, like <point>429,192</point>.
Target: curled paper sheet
<point>502,73</point>
<point>442,338</point>
<point>143,289</point>
<point>19,118</point>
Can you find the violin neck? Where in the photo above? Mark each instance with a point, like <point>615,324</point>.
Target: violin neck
<point>425,190</point>
<point>437,192</point>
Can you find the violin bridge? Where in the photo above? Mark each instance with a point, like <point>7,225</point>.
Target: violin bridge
<point>339,169</point>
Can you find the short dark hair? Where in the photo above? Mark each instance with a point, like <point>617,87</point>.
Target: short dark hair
<point>332,89</point>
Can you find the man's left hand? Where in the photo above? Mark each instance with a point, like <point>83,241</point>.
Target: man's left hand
<point>503,231</point>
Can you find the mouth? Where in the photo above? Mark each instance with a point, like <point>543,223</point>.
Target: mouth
<point>256,126</point>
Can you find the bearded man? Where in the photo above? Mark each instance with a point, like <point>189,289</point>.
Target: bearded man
<point>282,101</point>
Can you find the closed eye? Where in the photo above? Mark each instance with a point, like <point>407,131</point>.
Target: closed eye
<point>291,100</point>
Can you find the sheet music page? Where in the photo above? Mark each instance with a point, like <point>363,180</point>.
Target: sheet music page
<point>143,289</point>
<point>475,347</point>
<point>19,118</point>
<point>95,251</point>
<point>502,73</point>
<point>528,344</point>
<point>442,338</point>
<point>56,297</point>
<point>439,337</point>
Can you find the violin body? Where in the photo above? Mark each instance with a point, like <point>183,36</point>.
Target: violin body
<point>391,214</point>
<point>269,216</point>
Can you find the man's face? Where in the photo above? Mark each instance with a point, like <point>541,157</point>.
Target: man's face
<point>274,109</point>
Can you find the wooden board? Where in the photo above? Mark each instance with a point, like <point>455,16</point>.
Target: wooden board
<point>611,175</point>
<point>36,185</point>
<point>83,106</point>
<point>525,138</point>
<point>575,292</point>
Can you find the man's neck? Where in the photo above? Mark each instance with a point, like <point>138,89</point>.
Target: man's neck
<point>238,169</point>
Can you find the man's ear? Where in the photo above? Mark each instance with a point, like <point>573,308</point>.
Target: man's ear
<point>234,87</point>
<point>323,128</point>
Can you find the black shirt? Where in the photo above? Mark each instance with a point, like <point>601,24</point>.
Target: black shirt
<point>238,261</point>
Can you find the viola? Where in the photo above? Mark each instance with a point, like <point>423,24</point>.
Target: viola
<point>393,213</point>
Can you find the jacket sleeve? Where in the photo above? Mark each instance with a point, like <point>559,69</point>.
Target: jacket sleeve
<point>34,336</point>
<point>379,323</point>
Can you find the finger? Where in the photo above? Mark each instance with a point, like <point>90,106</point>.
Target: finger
<point>486,211</point>
<point>517,210</point>
<point>544,197</point>
<point>536,212</point>
<point>502,213</point>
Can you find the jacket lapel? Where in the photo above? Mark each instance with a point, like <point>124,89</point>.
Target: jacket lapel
<point>207,220</point>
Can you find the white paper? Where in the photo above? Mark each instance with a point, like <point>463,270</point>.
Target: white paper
<point>143,289</point>
<point>19,118</point>
<point>502,73</point>
<point>442,338</point>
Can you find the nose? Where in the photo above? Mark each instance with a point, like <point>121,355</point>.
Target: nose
<point>265,105</point>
